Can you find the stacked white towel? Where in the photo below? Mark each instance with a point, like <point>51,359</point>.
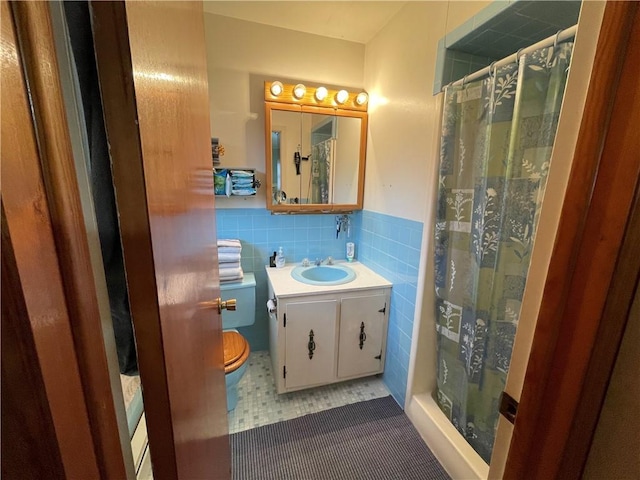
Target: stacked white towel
<point>242,183</point>
<point>229,256</point>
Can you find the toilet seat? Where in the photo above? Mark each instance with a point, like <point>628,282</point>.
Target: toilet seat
<point>236,350</point>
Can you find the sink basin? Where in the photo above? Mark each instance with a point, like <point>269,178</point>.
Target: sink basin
<point>324,274</point>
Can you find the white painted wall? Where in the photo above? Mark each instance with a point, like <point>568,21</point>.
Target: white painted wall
<point>399,72</point>
<point>241,56</point>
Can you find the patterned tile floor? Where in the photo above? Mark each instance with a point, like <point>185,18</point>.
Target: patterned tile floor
<point>259,404</point>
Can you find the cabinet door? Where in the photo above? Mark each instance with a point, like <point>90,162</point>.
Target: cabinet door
<point>310,343</point>
<point>362,329</point>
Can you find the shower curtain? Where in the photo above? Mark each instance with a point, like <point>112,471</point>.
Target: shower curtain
<point>497,136</point>
<point>321,156</point>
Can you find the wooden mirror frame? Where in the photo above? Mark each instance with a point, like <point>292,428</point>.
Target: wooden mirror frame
<point>308,104</point>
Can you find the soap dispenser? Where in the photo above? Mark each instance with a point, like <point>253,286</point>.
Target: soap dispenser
<point>280,258</point>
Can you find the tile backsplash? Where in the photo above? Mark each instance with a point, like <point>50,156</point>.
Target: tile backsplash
<point>300,236</point>
<point>388,245</point>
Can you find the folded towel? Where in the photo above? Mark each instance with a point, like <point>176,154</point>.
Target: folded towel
<point>242,181</point>
<point>227,267</point>
<point>231,280</point>
<point>229,242</point>
<point>241,173</point>
<point>242,186</point>
<point>234,250</point>
<point>228,257</point>
<point>251,191</point>
<point>235,278</point>
<point>231,273</point>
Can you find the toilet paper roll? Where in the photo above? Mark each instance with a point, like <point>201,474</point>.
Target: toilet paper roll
<point>271,306</point>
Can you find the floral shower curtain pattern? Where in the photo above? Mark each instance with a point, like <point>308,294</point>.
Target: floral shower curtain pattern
<point>497,137</point>
<point>321,154</point>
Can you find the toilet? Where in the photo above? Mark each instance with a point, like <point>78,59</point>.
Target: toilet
<point>236,347</point>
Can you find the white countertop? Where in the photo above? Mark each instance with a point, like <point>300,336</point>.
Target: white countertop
<point>284,285</point>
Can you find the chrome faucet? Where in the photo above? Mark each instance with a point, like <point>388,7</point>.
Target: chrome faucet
<point>328,261</point>
<point>343,222</point>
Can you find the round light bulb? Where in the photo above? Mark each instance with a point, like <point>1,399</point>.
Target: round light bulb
<point>276,88</point>
<point>299,91</point>
<point>321,94</point>
<point>342,96</point>
<point>362,98</point>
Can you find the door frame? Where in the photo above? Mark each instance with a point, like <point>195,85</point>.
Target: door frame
<point>45,225</point>
<point>589,244</point>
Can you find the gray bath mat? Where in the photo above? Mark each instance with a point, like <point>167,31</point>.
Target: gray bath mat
<point>365,440</point>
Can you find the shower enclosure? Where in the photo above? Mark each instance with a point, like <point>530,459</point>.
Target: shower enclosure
<point>497,138</point>
<point>498,147</point>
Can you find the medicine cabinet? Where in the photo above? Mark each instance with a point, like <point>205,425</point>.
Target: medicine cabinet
<point>315,150</point>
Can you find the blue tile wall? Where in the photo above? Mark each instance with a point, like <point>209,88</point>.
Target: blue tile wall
<point>390,246</point>
<point>310,236</point>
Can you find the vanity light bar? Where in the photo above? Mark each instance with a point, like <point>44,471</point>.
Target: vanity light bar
<point>301,94</point>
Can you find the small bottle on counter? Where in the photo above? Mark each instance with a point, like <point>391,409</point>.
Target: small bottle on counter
<point>351,250</point>
<point>280,258</point>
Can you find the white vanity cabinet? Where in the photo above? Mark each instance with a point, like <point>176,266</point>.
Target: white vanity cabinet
<point>322,335</point>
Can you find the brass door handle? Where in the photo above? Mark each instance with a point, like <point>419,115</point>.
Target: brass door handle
<point>219,305</point>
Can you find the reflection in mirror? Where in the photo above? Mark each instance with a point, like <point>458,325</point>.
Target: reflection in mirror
<point>333,146</point>
<point>344,177</point>
<point>320,142</point>
<point>285,143</point>
<point>314,158</point>
<point>278,193</point>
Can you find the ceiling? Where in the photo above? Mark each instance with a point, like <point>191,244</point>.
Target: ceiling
<point>357,21</point>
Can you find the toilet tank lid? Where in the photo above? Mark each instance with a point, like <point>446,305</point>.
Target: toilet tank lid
<point>249,281</point>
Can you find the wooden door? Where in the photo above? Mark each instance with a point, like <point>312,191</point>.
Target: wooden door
<point>310,343</point>
<point>152,68</point>
<point>162,167</point>
<point>362,330</point>
<point>593,270</point>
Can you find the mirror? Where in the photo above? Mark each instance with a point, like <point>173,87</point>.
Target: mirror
<point>315,158</point>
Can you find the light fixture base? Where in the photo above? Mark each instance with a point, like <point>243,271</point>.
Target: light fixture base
<point>299,94</point>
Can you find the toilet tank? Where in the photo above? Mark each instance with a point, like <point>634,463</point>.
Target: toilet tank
<point>245,294</point>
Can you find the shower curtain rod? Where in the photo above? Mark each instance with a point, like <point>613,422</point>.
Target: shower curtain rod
<point>561,36</point>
